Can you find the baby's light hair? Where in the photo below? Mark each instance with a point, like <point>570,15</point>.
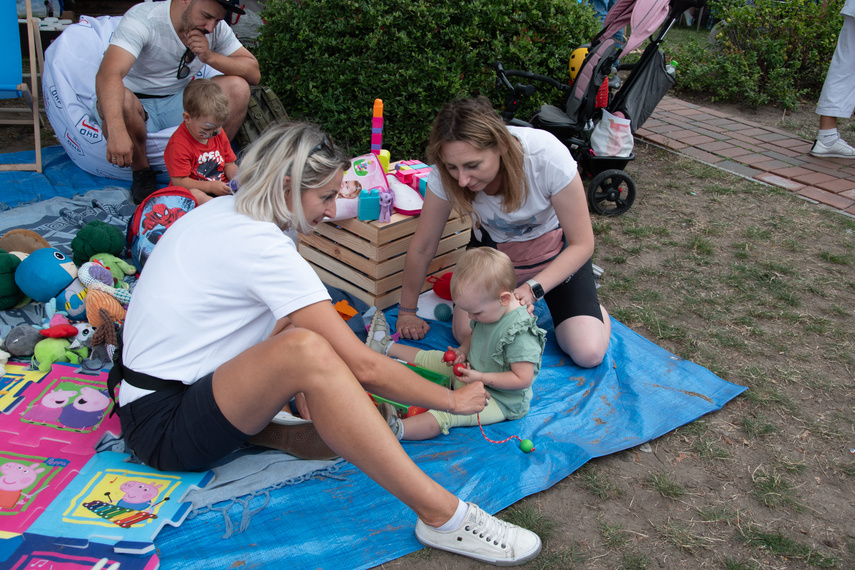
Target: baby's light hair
<point>486,269</point>
<point>203,97</point>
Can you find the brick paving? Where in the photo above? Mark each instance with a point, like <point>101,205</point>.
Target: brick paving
<point>751,150</point>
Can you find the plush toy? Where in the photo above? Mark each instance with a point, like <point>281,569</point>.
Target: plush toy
<point>92,271</point>
<point>96,300</point>
<point>83,336</point>
<point>52,350</point>
<point>116,266</point>
<point>4,358</point>
<point>72,300</point>
<point>105,336</point>
<point>24,241</point>
<point>45,273</point>
<point>59,327</point>
<point>22,340</point>
<point>96,237</point>
<point>10,293</point>
<point>95,276</point>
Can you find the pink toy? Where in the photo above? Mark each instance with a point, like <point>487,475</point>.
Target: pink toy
<point>377,127</point>
<point>414,174</point>
<point>387,201</point>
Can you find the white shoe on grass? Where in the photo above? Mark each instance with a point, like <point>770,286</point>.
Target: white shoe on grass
<point>838,149</point>
<point>485,538</point>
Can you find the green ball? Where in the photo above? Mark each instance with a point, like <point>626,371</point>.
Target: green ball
<point>442,312</point>
<point>527,446</point>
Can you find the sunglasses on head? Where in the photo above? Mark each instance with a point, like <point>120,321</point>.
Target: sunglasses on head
<point>183,67</point>
<point>326,143</point>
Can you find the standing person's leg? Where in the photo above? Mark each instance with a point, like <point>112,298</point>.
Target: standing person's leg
<point>838,96</point>
<point>253,387</point>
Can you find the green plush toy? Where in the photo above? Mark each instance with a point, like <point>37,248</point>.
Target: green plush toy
<point>117,267</point>
<point>10,293</point>
<point>96,237</point>
<point>52,350</point>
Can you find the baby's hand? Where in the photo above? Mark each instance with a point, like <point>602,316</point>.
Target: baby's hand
<point>468,375</point>
<point>453,356</point>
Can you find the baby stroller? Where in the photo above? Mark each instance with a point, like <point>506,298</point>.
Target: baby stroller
<point>611,191</point>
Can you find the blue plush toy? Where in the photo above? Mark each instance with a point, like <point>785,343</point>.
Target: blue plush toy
<point>45,273</point>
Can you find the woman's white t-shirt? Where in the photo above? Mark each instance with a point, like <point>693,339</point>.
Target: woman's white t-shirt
<point>549,167</point>
<point>214,286</point>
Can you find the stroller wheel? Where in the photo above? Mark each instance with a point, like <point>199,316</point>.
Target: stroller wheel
<point>611,192</point>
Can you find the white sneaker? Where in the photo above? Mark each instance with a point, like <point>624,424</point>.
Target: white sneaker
<point>838,149</point>
<point>485,538</point>
<point>390,414</point>
<point>284,418</point>
<point>379,338</point>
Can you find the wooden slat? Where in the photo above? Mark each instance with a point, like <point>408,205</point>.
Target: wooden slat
<point>371,268</point>
<point>366,283</point>
<point>382,301</point>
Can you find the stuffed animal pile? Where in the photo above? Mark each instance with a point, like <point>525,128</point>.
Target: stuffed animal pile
<point>85,296</point>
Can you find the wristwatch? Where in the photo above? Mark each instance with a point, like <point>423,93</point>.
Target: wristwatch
<point>536,288</point>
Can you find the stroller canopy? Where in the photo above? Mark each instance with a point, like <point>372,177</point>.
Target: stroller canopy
<point>643,16</point>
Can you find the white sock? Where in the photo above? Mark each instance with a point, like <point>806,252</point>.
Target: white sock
<point>827,136</point>
<point>457,520</point>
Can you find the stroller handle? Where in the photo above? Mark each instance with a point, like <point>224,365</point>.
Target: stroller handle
<point>516,94</point>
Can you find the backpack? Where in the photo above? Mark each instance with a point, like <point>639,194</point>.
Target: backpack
<point>264,108</point>
<point>153,217</point>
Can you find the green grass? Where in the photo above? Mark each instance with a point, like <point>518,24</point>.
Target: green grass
<point>774,491</point>
<point>614,536</point>
<point>527,517</point>
<point>756,426</point>
<point>781,545</point>
<point>560,558</point>
<point>680,535</point>
<point>662,483</point>
<point>598,483</point>
<point>634,561</point>
<point>719,513</point>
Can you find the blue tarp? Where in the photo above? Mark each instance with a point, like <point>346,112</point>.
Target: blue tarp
<point>639,393</point>
<point>347,521</point>
<point>60,177</point>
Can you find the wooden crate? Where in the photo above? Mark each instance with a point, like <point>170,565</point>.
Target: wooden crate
<point>366,259</point>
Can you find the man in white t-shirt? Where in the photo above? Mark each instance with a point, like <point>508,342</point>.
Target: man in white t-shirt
<point>154,53</point>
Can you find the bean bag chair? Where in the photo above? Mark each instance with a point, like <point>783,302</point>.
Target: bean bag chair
<point>68,80</point>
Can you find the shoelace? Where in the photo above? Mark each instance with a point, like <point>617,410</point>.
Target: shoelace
<point>489,528</point>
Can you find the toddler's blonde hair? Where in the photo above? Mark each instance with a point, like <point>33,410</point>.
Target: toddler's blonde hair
<point>484,268</point>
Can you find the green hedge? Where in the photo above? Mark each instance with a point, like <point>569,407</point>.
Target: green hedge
<point>769,52</point>
<point>329,59</point>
